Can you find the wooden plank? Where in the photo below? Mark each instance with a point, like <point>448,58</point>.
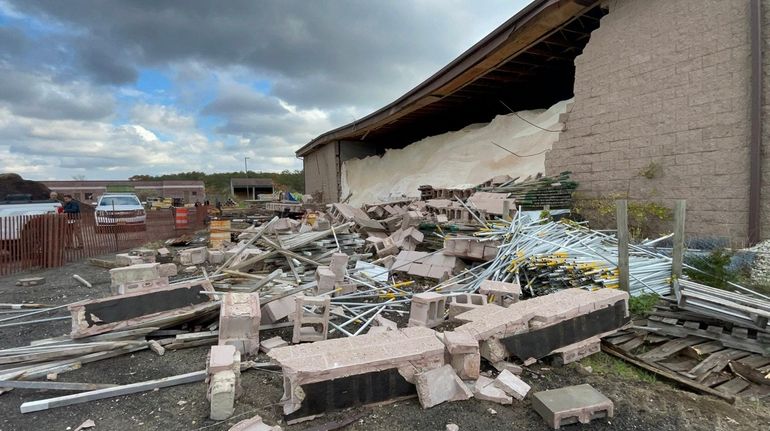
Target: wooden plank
<point>749,373</point>
<point>608,348</point>
<point>754,361</point>
<point>716,379</point>
<point>622,221</point>
<point>727,340</point>
<point>704,349</point>
<point>716,362</point>
<point>100,394</point>
<point>733,386</point>
<point>620,339</point>
<point>670,348</point>
<point>632,344</point>
<point>678,364</point>
<point>56,386</point>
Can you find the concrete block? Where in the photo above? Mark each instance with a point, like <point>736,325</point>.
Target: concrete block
<point>146,254</point>
<point>272,343</point>
<point>577,351</point>
<point>325,280</point>
<point>193,256</point>
<point>459,304</point>
<point>222,358</point>
<point>466,365</point>
<point>216,257</point>
<point>501,293</point>
<point>239,319</point>
<point>512,385</point>
<point>163,252</point>
<point>134,286</point>
<point>511,367</point>
<point>440,385</point>
<point>427,309</point>
<point>140,272</point>
<point>278,309</point>
<point>311,325</point>
<point>386,247</point>
<point>167,269</point>
<point>460,342</point>
<point>339,265</point>
<point>581,403</point>
<point>484,389</point>
<point>222,395</point>
<point>125,259</point>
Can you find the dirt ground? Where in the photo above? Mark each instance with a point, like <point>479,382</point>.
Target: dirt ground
<point>641,402</point>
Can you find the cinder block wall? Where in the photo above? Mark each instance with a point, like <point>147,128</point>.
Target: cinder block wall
<point>666,82</point>
<point>765,214</point>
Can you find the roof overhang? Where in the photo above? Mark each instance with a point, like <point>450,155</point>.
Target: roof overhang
<point>542,38</point>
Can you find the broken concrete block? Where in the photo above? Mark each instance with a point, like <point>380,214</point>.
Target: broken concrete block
<point>223,358</point>
<point>163,252</point>
<point>493,350</point>
<point>511,367</point>
<point>463,302</point>
<point>140,272</point>
<point>581,403</point>
<point>254,424</point>
<point>216,257</point>
<point>501,293</point>
<point>125,259</point>
<point>147,254</point>
<point>440,385</point>
<point>411,218</point>
<point>31,281</point>
<point>272,343</point>
<point>222,395</point>
<point>464,353</point>
<point>386,247</point>
<point>484,389</point>
<point>193,256</point>
<point>427,309</point>
<point>239,319</point>
<point>278,309</point>
<point>311,325</point>
<point>325,280</point>
<point>167,269</point>
<point>512,385</point>
<point>157,348</point>
<point>577,351</point>
<point>136,286</point>
<point>339,265</point>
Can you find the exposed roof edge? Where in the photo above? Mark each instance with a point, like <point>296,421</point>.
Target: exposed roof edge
<point>525,28</point>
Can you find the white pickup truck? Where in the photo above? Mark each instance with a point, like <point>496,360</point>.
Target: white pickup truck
<point>21,205</point>
<point>122,210</point>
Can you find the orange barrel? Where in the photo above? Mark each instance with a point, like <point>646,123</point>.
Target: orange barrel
<point>220,232</point>
<point>180,218</point>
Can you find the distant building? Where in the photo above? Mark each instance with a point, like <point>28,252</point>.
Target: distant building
<point>249,189</point>
<point>88,191</point>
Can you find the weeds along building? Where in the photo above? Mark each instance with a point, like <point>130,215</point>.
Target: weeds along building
<point>663,100</point>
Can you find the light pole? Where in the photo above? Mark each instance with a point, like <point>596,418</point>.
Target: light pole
<point>246,166</point>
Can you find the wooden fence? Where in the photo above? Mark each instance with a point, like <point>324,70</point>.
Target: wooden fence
<point>51,240</point>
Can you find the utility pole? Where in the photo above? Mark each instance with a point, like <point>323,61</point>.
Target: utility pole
<point>246,166</point>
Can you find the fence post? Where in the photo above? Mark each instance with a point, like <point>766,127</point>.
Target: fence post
<point>677,257</point>
<point>622,221</point>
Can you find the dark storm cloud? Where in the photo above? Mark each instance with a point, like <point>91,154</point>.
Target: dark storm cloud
<point>12,42</point>
<point>104,65</point>
<point>237,99</point>
<point>336,42</point>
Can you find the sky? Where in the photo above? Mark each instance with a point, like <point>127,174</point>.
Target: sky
<point>107,89</point>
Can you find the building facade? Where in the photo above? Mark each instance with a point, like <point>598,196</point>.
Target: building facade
<point>88,191</point>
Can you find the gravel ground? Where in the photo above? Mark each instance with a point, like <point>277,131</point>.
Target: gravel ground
<point>639,405</point>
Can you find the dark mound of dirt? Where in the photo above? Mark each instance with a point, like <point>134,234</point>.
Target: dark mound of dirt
<point>14,184</point>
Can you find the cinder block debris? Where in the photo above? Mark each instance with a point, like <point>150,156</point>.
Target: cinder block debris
<point>577,351</point>
<point>427,309</point>
<point>484,389</point>
<point>239,319</point>
<point>512,385</point>
<point>125,259</point>
<point>144,276</point>
<point>311,325</point>
<point>272,343</point>
<point>193,256</point>
<point>224,375</point>
<point>31,281</point>
<point>278,309</point>
<point>339,265</point>
<point>464,353</point>
<point>581,403</point>
<point>501,293</point>
<point>216,257</point>
<point>325,280</point>
<point>440,385</point>
<point>157,348</point>
<point>146,254</point>
<point>254,424</point>
<point>511,367</point>
<point>463,302</point>
<point>167,269</point>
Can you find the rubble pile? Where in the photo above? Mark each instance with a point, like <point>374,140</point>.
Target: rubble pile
<point>444,298</point>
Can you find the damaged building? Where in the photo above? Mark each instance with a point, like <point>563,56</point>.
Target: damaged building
<point>651,100</point>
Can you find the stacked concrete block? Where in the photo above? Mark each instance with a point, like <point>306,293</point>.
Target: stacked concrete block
<point>465,302</point>
<point>146,254</point>
<point>577,351</point>
<point>464,353</point>
<point>491,203</point>
<point>385,247</point>
<point>311,325</point>
<point>406,352</point>
<point>421,264</point>
<point>512,385</point>
<point>427,309</point>
<point>410,219</point>
<point>326,280</point>
<point>224,380</point>
<point>239,319</point>
<point>501,293</point>
<point>470,248</point>
<point>193,256</point>
<point>407,238</point>
<point>484,389</point>
<point>272,343</point>
<point>143,276</point>
<point>563,406</point>
<point>440,385</point>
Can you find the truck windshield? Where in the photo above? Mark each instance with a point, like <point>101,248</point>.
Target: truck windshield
<point>118,200</point>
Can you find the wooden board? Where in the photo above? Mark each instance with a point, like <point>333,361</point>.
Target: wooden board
<point>668,349</point>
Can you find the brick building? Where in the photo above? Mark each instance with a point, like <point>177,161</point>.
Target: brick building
<point>88,191</point>
<point>674,85</point>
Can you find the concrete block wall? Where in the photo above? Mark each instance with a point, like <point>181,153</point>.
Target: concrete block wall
<point>765,209</point>
<point>666,82</point>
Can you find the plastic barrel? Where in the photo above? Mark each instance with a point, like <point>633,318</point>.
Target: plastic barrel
<point>180,218</point>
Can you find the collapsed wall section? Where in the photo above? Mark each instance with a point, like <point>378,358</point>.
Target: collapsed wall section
<point>661,111</point>
<point>466,157</point>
